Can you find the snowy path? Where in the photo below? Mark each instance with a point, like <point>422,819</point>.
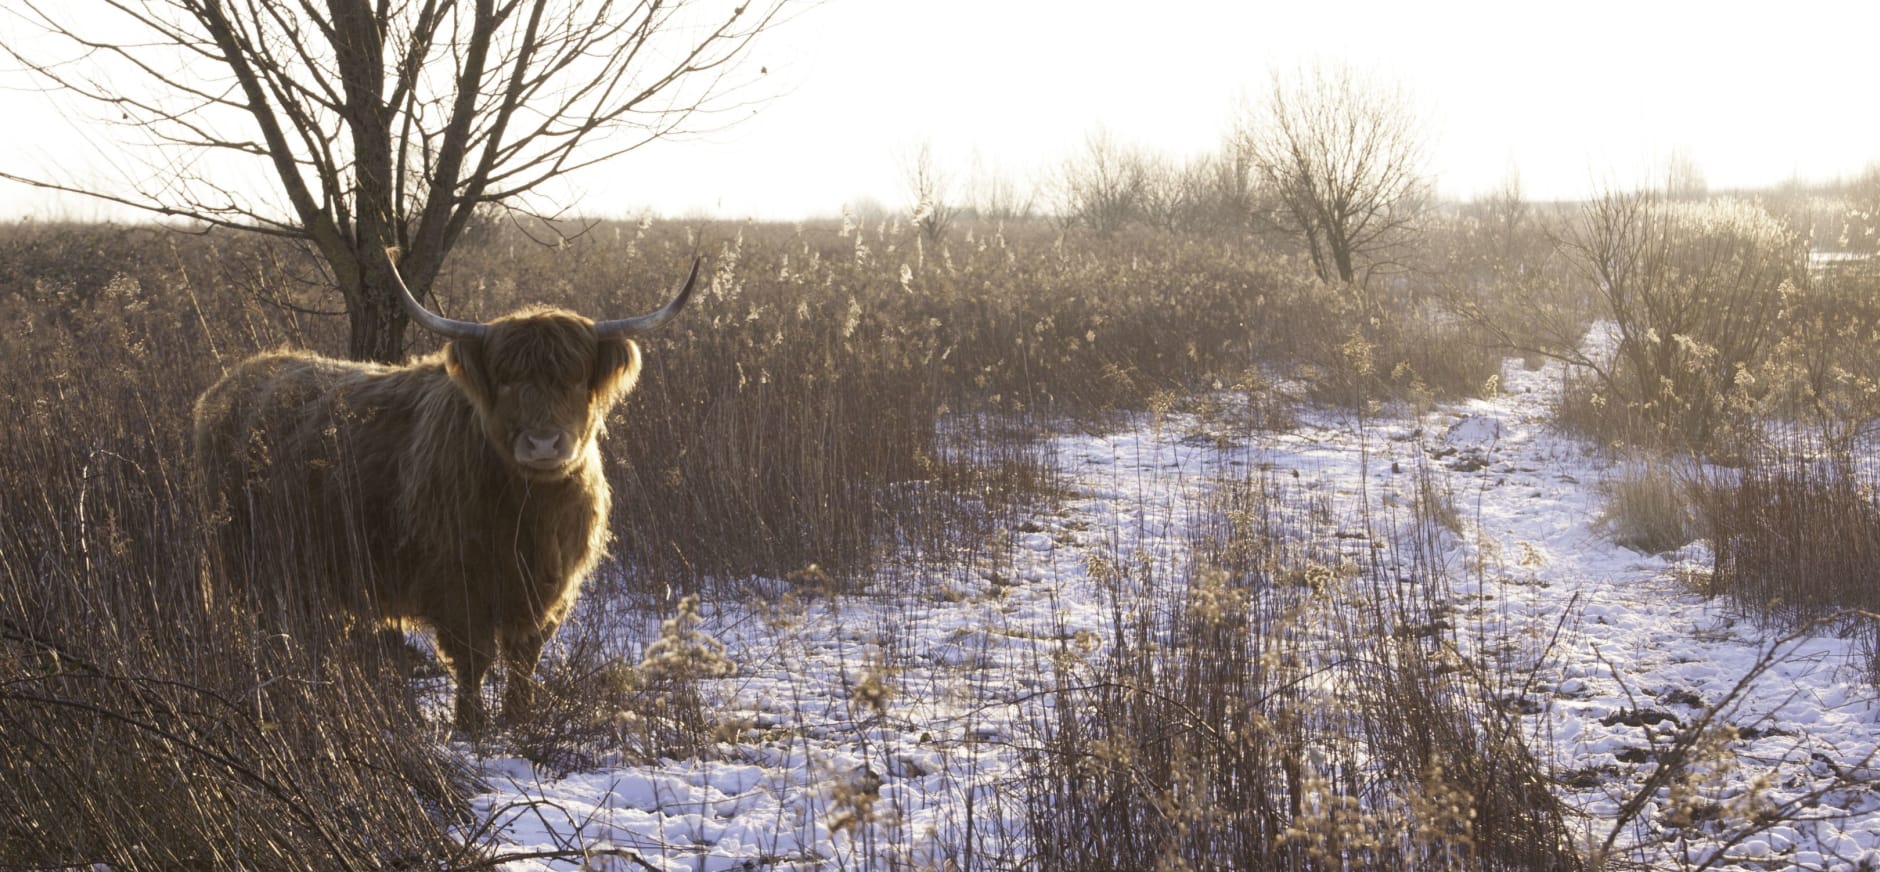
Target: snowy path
<point>1636,644</point>
<point>820,778</point>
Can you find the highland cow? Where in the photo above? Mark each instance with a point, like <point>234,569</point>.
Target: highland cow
<point>461,491</point>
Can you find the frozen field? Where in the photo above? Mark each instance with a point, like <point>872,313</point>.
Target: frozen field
<point>887,728</point>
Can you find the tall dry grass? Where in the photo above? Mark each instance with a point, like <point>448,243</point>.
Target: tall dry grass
<point>1295,708</point>
<point>838,396</point>
<point>142,724</point>
<point>796,415</point>
<point>1797,541</point>
<point>842,396</point>
<point>1650,505</point>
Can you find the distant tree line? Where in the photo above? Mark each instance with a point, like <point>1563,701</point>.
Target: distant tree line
<point>1324,156</point>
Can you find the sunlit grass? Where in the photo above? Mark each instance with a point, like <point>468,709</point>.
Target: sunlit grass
<point>843,405</point>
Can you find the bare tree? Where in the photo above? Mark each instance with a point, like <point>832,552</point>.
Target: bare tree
<point>380,123</point>
<point>1859,229</point>
<point>1502,272</point>
<point>1507,222</point>
<point>1225,193</point>
<point>992,195</point>
<point>1167,200</point>
<point>1345,160</point>
<point>1101,186</point>
<point>1208,193</point>
<point>1684,177</point>
<point>934,207</point>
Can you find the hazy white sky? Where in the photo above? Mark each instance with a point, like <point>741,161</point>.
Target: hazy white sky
<point>1571,95</point>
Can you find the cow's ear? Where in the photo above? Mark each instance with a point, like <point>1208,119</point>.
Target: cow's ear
<point>463,359</point>
<point>616,368</point>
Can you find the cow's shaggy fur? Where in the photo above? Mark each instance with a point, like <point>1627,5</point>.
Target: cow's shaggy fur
<point>411,493</point>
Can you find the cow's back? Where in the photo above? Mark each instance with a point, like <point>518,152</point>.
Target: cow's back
<point>293,497</point>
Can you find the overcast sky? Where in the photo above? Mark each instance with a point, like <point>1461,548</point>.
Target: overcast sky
<point>1569,95</point>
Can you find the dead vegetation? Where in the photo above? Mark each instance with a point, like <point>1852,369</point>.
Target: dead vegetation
<point>842,396</point>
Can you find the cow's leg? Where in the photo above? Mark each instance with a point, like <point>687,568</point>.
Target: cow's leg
<point>468,654</point>
<point>522,650</point>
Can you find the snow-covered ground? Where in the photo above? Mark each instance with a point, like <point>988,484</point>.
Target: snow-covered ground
<point>1611,646</point>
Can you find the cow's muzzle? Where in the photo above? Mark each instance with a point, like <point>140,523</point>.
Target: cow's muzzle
<point>544,449</point>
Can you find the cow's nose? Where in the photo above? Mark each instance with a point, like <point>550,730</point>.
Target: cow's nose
<point>541,445</point>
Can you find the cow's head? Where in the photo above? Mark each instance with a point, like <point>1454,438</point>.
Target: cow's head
<point>543,380</point>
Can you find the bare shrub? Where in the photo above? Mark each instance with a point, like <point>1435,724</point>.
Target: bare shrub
<point>1649,506</point>
<point>1404,346</point>
<point>1824,371</point>
<point>610,696</point>
<point>1498,267</point>
<point>1435,500</point>
<point>1797,538</point>
<point>1687,795</point>
<point>1199,740</point>
<point>934,209</point>
<point>1693,291</point>
<point>782,425</point>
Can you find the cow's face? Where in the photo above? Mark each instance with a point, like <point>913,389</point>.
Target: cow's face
<point>542,382</point>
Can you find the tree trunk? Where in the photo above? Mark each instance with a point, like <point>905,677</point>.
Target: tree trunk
<point>375,320</point>
<point>378,322</point>
<point>1341,255</point>
<point>378,328</point>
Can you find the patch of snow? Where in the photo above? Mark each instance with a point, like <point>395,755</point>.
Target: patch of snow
<point>1620,648</point>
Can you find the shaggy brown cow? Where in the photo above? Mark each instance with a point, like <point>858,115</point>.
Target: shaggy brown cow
<point>462,490</point>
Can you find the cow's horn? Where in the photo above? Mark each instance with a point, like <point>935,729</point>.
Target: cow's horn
<point>430,320</point>
<point>647,323</point>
